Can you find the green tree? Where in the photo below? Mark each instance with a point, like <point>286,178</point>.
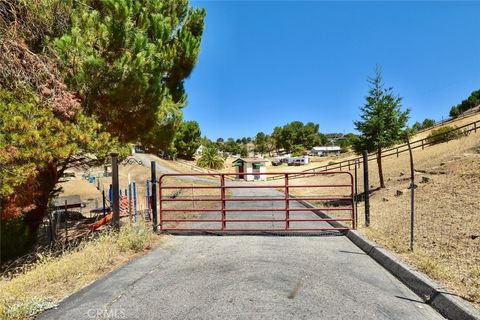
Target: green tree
<point>471,102</point>
<point>297,150</point>
<point>113,66</point>
<point>428,123</point>
<point>417,126</point>
<point>128,60</point>
<point>297,133</point>
<point>382,123</point>
<point>454,112</point>
<point>36,147</point>
<point>277,138</point>
<point>210,158</point>
<point>261,143</point>
<point>231,146</point>
<point>243,151</point>
<point>220,144</point>
<point>187,139</point>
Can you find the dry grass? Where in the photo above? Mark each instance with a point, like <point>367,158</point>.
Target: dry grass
<point>447,206</point>
<point>52,278</point>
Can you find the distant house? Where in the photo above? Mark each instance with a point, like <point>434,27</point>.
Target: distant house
<point>325,150</point>
<point>251,165</point>
<point>199,151</point>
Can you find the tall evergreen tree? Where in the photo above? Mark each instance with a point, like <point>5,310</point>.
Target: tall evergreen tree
<point>128,61</point>
<point>261,143</point>
<point>382,121</point>
<point>187,139</point>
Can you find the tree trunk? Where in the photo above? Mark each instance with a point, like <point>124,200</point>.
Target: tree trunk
<point>380,170</point>
<point>26,209</point>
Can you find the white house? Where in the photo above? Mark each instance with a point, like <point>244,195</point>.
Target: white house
<point>325,150</point>
<point>251,165</point>
<point>199,151</point>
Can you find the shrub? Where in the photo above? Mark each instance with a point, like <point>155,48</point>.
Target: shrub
<point>443,134</point>
<point>135,237</point>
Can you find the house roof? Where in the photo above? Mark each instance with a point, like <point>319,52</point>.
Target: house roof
<point>327,148</point>
<point>250,160</point>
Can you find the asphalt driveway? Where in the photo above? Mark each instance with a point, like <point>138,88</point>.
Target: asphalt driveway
<point>249,277</point>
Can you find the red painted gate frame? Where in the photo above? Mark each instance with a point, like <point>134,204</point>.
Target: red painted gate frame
<point>287,198</point>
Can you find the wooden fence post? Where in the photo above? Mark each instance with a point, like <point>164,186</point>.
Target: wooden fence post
<point>115,191</point>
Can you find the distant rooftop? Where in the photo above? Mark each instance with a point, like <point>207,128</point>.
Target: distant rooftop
<point>250,160</point>
<point>327,148</point>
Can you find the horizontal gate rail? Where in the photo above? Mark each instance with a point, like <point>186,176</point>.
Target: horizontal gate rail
<point>258,229</point>
<point>258,209</point>
<point>247,211</point>
<point>256,199</point>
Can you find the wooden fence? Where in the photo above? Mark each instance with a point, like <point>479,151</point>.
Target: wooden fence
<point>349,164</point>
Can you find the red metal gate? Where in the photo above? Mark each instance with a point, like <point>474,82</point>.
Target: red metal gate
<point>222,202</point>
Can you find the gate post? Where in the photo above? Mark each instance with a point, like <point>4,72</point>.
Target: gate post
<point>356,196</point>
<point>222,196</point>
<point>366,188</point>
<point>287,204</point>
<point>154,194</point>
<point>115,191</point>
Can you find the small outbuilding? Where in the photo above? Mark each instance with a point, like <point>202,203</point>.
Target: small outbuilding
<point>251,165</point>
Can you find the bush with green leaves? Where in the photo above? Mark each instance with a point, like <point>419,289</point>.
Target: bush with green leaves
<point>443,134</point>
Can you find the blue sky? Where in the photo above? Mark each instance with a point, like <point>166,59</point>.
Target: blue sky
<point>266,63</point>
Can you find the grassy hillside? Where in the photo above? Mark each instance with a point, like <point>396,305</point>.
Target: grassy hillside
<point>447,204</point>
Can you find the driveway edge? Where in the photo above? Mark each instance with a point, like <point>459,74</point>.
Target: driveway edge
<point>445,302</point>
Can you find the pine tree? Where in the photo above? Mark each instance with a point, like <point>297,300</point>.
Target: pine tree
<point>128,61</point>
<point>187,139</point>
<point>382,123</point>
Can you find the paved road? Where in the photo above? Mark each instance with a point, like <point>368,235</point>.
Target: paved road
<point>248,277</point>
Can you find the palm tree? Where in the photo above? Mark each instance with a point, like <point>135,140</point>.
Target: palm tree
<point>210,158</point>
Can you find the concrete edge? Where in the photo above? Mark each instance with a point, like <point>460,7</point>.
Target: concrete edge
<point>446,303</point>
